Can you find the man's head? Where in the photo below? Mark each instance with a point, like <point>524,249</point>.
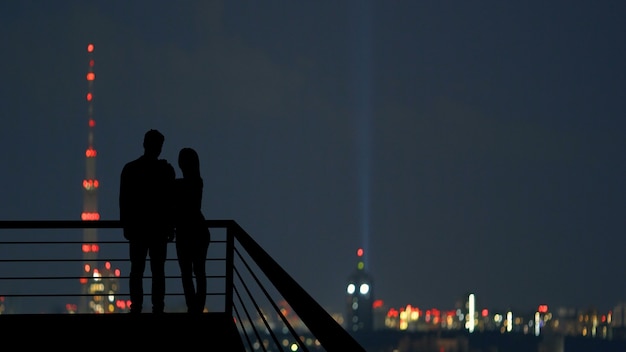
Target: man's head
<point>153,143</point>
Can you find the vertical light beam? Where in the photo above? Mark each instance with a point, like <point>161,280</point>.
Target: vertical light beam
<point>361,64</point>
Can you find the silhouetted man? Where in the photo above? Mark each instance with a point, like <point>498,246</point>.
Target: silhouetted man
<point>145,200</point>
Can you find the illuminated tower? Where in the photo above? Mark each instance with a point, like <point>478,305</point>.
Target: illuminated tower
<point>359,298</point>
<point>92,282</point>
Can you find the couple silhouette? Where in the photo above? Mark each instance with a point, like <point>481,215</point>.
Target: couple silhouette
<point>157,208</point>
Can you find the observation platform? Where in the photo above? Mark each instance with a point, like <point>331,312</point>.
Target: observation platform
<point>247,290</point>
<point>80,332</point>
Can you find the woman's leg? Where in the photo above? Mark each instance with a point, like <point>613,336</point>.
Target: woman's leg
<point>185,264</point>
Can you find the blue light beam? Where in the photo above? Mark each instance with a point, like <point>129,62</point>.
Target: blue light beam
<point>361,64</point>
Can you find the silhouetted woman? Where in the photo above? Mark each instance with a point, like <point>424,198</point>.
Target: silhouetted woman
<point>192,234</point>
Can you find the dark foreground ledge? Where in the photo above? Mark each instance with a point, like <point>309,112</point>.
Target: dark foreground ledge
<point>81,332</point>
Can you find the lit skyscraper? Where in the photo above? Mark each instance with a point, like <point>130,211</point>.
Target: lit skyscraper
<point>359,298</point>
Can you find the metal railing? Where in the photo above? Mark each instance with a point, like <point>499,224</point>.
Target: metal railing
<point>271,310</point>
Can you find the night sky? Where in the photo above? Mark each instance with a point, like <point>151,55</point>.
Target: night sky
<point>468,146</point>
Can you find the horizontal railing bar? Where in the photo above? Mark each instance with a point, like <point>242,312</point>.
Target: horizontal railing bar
<point>97,295</point>
<point>61,242</point>
<point>84,277</point>
<point>81,224</point>
<point>86,260</point>
<point>78,242</point>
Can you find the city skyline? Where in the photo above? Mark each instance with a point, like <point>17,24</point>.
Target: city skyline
<point>22,295</point>
<point>467,147</point>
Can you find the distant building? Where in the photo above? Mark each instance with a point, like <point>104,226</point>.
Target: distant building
<point>619,321</point>
<point>359,298</point>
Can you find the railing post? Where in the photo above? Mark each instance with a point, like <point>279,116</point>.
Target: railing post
<point>230,254</point>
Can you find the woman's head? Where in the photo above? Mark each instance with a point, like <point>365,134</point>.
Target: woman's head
<point>189,162</point>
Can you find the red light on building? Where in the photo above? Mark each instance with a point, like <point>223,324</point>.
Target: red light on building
<point>484,313</point>
<point>92,123</point>
<point>118,272</point>
<point>91,76</point>
<point>393,313</point>
<point>543,308</point>
<point>83,280</point>
<point>86,216</point>
<point>89,96</point>
<point>90,48</point>
<point>90,248</point>
<point>377,303</point>
<point>90,153</point>
<point>90,184</point>
<point>87,267</point>
<point>91,63</point>
<point>122,304</point>
<point>359,252</point>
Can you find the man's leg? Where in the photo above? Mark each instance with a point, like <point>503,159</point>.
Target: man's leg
<point>138,253</point>
<point>158,254</point>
